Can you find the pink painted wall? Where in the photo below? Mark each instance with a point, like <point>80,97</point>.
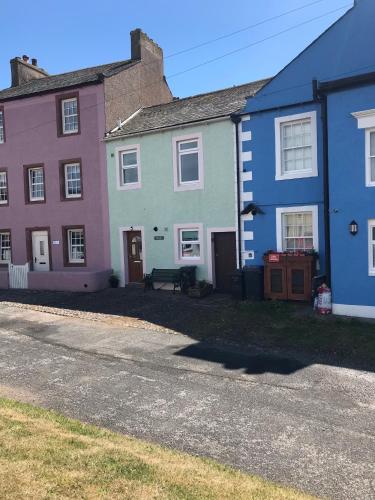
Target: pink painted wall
<point>31,137</point>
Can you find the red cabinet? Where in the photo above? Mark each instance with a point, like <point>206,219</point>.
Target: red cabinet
<point>288,276</point>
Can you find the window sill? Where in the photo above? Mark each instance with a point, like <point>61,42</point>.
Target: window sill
<point>189,262</point>
<point>189,187</point>
<point>304,175</point>
<point>128,187</point>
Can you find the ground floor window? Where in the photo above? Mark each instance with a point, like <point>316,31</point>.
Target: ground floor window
<point>74,245</point>
<point>189,244</point>
<point>5,247</point>
<point>297,229</point>
<point>371,244</point>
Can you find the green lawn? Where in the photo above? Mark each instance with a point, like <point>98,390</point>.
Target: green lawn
<point>45,455</point>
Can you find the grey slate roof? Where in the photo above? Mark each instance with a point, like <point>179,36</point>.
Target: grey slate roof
<point>65,80</point>
<point>191,109</point>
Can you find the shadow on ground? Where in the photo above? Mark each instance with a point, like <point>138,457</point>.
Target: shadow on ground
<point>289,336</point>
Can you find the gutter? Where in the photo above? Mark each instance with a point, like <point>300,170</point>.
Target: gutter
<point>321,97</point>
<point>236,119</point>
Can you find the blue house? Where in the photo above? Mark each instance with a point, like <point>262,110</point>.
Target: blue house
<point>307,142</point>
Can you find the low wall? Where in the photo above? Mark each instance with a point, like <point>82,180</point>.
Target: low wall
<point>71,281</point>
<point>4,280</point>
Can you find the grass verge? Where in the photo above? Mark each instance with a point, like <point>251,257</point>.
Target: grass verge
<point>45,455</point>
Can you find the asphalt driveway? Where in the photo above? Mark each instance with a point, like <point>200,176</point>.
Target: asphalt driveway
<point>310,426</point>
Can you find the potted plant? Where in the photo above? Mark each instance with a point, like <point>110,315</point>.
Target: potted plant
<point>114,281</point>
<point>201,289</point>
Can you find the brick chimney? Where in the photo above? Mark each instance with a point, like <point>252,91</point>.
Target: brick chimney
<point>23,71</point>
<point>143,47</point>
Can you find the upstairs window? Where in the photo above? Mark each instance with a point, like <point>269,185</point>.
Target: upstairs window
<point>5,247</point>
<point>71,179</point>
<point>296,155</point>
<point>129,167</point>
<point>34,183</point>
<point>68,119</point>
<point>2,126</point>
<point>3,188</point>
<point>188,162</point>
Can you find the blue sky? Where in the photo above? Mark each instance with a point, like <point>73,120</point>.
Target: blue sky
<point>69,34</point>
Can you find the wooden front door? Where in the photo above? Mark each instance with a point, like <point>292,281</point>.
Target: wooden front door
<point>135,260</point>
<point>225,260</point>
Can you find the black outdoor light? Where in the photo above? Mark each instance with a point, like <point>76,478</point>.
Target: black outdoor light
<point>353,228</point>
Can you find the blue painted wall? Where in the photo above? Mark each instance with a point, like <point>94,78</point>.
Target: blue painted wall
<point>343,50</point>
<point>270,194</point>
<point>350,198</point>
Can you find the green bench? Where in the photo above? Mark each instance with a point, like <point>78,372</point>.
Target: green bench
<point>173,276</point>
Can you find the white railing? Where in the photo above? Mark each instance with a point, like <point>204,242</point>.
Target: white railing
<point>18,276</point>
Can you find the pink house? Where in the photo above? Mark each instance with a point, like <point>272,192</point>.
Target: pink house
<point>53,184</point>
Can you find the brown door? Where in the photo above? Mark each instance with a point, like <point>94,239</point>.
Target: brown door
<point>225,260</point>
<point>135,262</point>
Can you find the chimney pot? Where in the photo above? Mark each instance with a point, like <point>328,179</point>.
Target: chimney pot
<point>25,58</point>
<point>34,62</point>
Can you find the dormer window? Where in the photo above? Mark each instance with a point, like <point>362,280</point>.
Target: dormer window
<point>68,122</point>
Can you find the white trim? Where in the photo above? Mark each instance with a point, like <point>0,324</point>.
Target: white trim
<point>187,186</point>
<point>69,232</point>
<point>124,278</point>
<point>246,195</point>
<point>245,118</point>
<point>371,241</point>
<point>368,132</point>
<point>366,119</point>
<point>123,149</point>
<point>286,210</point>
<point>246,136</point>
<point>36,198</point>
<point>352,310</point>
<point>247,176</point>
<point>248,235</point>
<point>210,250</point>
<point>193,226</point>
<point>246,156</point>
<point>314,151</point>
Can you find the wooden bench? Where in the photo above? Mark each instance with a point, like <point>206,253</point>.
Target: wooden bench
<point>163,276</point>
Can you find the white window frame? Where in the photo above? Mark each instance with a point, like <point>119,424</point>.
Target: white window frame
<point>191,185</point>
<point>287,210</point>
<point>2,127</point>
<point>72,164</point>
<point>119,167</point>
<point>36,198</point>
<point>5,173</point>
<point>10,247</point>
<point>371,244</point>
<point>68,235</point>
<point>177,243</point>
<point>369,182</point>
<point>313,172</point>
<point>64,131</point>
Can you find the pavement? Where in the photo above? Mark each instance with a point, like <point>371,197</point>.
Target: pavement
<point>308,426</point>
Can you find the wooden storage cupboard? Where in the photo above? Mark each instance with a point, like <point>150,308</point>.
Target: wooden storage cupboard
<point>288,276</point>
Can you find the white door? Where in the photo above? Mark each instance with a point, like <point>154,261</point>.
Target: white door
<point>40,251</point>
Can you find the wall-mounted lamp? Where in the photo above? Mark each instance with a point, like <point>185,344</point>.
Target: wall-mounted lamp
<point>353,228</point>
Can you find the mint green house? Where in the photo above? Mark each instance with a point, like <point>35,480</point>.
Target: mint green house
<point>173,187</point>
